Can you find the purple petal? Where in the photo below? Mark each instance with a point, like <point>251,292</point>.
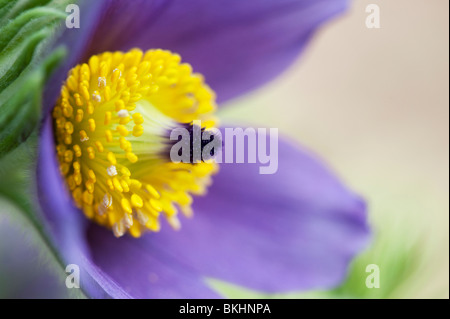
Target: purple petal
<point>238,46</point>
<point>296,229</point>
<point>145,270</point>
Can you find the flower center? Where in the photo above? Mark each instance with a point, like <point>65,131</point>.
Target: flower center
<point>112,127</point>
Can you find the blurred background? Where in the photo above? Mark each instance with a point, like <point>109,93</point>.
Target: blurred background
<point>374,104</point>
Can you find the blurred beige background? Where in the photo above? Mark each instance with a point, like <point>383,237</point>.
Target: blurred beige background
<point>374,103</point>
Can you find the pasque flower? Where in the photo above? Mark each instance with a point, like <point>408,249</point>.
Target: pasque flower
<point>294,230</point>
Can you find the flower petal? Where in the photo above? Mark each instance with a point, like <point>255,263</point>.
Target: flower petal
<point>294,230</point>
<point>238,46</point>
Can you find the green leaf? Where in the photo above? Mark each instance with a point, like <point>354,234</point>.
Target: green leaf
<point>27,31</point>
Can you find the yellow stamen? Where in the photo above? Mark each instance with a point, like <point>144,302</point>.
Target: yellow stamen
<point>111,125</point>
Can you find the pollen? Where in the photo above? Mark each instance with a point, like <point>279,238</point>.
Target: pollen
<point>112,124</point>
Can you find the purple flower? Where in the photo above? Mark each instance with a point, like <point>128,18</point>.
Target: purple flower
<point>294,230</point>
